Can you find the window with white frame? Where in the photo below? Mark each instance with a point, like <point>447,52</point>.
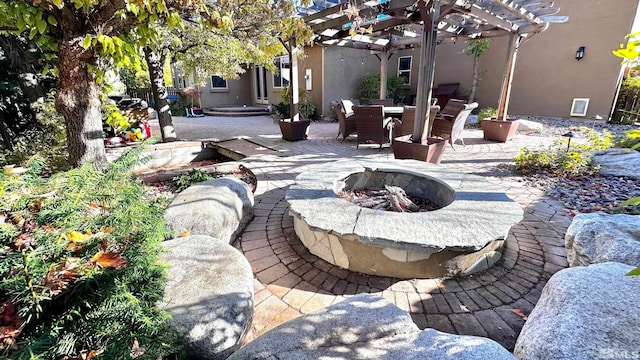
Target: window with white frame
<point>404,68</point>
<point>218,82</point>
<point>281,77</point>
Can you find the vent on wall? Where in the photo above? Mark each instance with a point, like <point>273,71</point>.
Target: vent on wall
<point>579,107</point>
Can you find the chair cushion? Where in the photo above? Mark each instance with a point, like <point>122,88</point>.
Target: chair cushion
<point>348,106</point>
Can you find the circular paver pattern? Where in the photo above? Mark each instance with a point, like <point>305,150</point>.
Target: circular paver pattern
<point>290,281</point>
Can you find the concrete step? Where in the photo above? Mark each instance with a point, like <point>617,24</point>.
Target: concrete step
<point>237,111</point>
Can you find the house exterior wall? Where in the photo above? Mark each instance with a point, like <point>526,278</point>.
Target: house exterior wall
<point>343,69</point>
<point>238,92</point>
<point>547,76</point>
<point>547,67</point>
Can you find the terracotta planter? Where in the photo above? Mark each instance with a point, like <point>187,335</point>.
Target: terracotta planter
<point>431,151</point>
<point>499,130</point>
<point>294,130</point>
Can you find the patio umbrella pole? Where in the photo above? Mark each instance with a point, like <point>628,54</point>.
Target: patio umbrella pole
<point>427,67</point>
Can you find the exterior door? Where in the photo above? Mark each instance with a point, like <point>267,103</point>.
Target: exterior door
<point>260,84</point>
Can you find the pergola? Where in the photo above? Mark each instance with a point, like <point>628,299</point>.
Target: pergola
<point>386,26</point>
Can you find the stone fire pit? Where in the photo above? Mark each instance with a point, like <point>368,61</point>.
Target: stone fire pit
<point>464,236</point>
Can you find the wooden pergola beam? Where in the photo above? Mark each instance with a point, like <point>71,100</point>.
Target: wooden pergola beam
<point>518,10</point>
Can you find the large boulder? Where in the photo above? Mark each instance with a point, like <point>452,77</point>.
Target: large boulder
<point>365,327</point>
<point>618,162</point>
<point>584,313</point>
<point>219,208</point>
<point>209,295</point>
<point>530,126</point>
<point>598,237</point>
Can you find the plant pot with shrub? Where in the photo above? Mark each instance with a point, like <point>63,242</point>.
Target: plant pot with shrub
<point>429,150</point>
<point>496,129</point>
<point>294,130</point>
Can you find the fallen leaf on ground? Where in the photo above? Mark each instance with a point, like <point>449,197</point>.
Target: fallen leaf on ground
<point>108,260</point>
<point>521,314</point>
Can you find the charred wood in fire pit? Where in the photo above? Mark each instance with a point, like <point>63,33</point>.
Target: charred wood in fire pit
<point>392,198</point>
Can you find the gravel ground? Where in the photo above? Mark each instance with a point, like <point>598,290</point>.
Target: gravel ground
<point>559,126</point>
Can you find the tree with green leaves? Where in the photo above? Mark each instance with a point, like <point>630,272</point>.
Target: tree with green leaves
<point>85,38</point>
<point>255,37</point>
<point>476,48</point>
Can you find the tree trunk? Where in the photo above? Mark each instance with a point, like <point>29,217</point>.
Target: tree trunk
<point>78,101</point>
<point>6,138</point>
<point>159,91</point>
<point>474,83</point>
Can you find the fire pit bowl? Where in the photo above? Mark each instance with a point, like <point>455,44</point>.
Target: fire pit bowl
<point>462,237</point>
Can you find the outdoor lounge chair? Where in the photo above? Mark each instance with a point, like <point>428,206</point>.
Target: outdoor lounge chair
<point>348,105</point>
<point>383,102</point>
<point>409,115</point>
<point>370,124</point>
<point>346,124</point>
<point>450,126</point>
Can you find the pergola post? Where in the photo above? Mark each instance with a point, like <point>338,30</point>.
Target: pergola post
<point>384,65</point>
<point>510,65</point>
<point>426,70</point>
<point>293,80</point>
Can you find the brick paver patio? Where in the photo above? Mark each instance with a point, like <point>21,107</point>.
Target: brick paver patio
<point>290,281</point>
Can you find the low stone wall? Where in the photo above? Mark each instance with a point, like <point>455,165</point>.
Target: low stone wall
<point>365,326</point>
<point>219,208</point>
<point>209,295</point>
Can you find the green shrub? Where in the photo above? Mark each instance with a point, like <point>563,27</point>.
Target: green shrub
<point>557,161</point>
<point>46,139</point>
<point>194,176</point>
<point>487,113</point>
<point>630,139</point>
<point>282,110</point>
<point>369,88</point>
<point>79,266</point>
<point>627,106</point>
<point>307,110</point>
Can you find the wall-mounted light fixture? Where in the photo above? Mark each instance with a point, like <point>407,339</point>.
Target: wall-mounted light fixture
<point>580,53</point>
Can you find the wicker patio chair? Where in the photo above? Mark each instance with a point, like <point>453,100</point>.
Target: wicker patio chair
<point>370,124</point>
<point>409,115</point>
<point>346,124</point>
<point>449,125</point>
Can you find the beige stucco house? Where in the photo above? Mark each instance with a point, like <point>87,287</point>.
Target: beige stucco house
<point>547,77</point>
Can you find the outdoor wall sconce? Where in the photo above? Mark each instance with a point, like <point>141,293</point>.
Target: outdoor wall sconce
<point>580,53</point>
<point>569,136</point>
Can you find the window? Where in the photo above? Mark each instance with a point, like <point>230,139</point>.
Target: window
<point>579,107</point>
<point>281,78</point>
<point>404,68</point>
<point>217,82</point>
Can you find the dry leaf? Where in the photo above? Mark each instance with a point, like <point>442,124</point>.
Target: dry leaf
<point>35,205</point>
<point>10,323</point>
<point>186,233</point>
<point>109,230</point>
<point>48,228</point>
<point>520,313</point>
<point>76,241</point>
<point>60,277</point>
<point>136,350</point>
<point>25,241</point>
<point>108,260</point>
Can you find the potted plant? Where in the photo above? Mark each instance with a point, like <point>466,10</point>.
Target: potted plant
<point>294,130</point>
<point>429,150</point>
<point>497,129</point>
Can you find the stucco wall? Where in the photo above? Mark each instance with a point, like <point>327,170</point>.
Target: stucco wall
<point>547,76</point>
<point>238,93</point>
<point>342,72</point>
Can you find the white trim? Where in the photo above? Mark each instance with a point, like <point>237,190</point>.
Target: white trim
<point>406,70</point>
<point>575,102</point>
<point>218,87</point>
